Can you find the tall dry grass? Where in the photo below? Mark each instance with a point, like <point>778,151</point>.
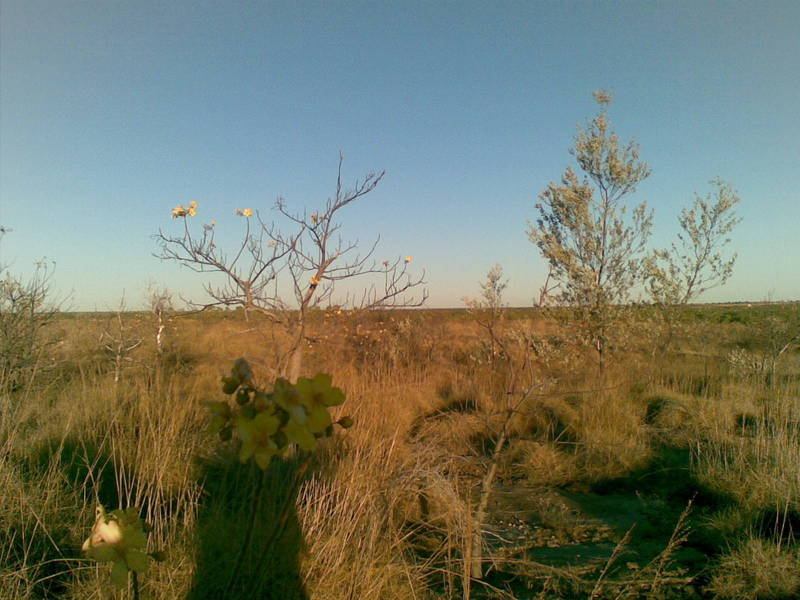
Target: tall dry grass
<point>386,509</point>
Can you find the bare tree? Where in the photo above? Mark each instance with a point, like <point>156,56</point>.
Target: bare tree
<point>160,301</point>
<point>305,261</point>
<point>118,342</point>
<point>512,363</point>
<point>25,311</point>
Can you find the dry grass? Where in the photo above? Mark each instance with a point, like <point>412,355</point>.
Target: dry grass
<point>387,508</point>
<point>756,569</point>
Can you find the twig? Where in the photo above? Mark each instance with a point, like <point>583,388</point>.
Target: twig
<point>611,560</point>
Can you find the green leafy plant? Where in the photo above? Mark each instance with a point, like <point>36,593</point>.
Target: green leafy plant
<point>120,537</point>
<point>267,424</point>
<point>695,263</point>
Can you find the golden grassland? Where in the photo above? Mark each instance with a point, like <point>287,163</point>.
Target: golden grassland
<point>673,473</point>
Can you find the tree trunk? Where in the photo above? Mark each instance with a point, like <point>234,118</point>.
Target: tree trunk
<point>296,357</point>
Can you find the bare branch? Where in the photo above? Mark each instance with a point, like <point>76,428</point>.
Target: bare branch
<point>308,261</point>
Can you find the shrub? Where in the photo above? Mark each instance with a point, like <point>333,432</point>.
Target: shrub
<point>23,315</point>
<point>757,569</point>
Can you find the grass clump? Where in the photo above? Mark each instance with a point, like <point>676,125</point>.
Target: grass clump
<point>757,569</point>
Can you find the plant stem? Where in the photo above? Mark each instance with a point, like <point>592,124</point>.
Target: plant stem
<point>135,578</point>
<point>476,557</point>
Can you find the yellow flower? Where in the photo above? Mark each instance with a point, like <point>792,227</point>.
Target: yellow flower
<point>183,211</point>
<point>319,419</point>
<point>300,435</point>
<point>269,421</point>
<point>247,212</point>
<point>319,390</point>
<point>316,395</point>
<point>256,436</point>
<point>302,423</point>
<point>287,397</point>
<point>118,538</point>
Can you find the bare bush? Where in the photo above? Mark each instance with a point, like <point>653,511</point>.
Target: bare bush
<point>24,313</point>
<point>305,260</point>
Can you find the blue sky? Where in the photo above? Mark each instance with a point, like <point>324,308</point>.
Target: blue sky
<point>114,112</point>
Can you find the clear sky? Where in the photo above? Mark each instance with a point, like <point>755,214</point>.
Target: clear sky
<point>113,112</point>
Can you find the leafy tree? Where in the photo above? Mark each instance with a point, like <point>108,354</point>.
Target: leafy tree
<point>593,241</point>
<point>695,263</point>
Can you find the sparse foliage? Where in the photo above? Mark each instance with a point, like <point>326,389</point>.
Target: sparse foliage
<point>696,263</point>
<point>306,260</point>
<point>119,342</point>
<point>774,339</point>
<point>593,244</point>
<point>160,300</point>
<point>24,312</point>
<point>512,366</point>
<point>489,309</point>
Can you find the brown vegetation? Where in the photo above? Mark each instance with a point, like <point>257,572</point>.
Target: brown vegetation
<point>593,471</point>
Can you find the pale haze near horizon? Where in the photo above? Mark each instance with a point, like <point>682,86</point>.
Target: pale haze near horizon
<point>113,113</point>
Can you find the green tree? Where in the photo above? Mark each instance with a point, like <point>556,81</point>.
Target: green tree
<point>592,239</point>
<point>695,263</point>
